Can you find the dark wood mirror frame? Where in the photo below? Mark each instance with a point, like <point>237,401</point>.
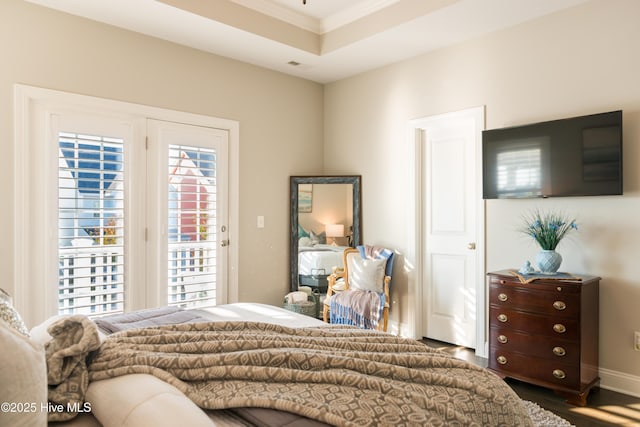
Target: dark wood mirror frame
<point>294,183</point>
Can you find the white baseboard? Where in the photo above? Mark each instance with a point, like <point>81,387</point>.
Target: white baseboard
<point>620,382</point>
<point>401,330</point>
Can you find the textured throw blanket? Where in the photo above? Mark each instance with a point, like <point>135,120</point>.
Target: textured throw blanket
<point>339,375</point>
<point>357,307</point>
<point>72,340</point>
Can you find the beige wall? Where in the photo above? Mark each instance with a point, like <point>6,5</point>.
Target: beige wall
<point>280,118</point>
<point>579,61</point>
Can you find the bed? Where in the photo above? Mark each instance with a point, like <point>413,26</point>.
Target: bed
<point>259,365</point>
<point>315,264</point>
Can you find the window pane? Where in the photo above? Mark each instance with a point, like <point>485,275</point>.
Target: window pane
<point>192,226</point>
<point>90,224</point>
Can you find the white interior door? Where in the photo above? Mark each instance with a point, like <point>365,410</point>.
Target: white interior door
<point>450,235</point>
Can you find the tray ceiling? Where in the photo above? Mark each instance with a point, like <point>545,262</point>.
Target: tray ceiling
<point>322,40</point>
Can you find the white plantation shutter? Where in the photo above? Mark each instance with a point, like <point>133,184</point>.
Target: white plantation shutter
<point>90,224</point>
<point>192,226</point>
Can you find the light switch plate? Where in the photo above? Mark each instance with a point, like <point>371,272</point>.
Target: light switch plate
<point>260,221</point>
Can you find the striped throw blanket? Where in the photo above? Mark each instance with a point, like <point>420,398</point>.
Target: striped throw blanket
<point>357,307</point>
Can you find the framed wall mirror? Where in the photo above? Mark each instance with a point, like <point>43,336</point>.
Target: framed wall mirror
<point>326,217</point>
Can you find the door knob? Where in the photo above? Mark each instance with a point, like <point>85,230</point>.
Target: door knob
<point>471,245</point>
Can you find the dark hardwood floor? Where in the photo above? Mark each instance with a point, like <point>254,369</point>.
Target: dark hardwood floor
<point>604,407</point>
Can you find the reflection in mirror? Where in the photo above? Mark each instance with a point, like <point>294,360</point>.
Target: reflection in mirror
<point>325,219</point>
<point>333,213</point>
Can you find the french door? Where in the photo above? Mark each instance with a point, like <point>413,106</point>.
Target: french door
<point>117,212</point>
<point>187,213</point>
<point>106,203</point>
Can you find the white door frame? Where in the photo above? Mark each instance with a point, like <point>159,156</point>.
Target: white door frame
<point>26,98</point>
<point>415,247</point>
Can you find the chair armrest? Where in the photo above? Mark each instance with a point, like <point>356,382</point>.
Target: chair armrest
<point>338,273</point>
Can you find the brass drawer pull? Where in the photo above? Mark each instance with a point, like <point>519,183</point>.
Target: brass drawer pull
<point>560,328</point>
<point>502,360</point>
<point>559,374</point>
<point>559,305</point>
<point>502,339</point>
<point>503,297</point>
<point>502,318</point>
<point>559,351</point>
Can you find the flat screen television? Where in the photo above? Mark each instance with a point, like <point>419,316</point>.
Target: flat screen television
<point>579,156</point>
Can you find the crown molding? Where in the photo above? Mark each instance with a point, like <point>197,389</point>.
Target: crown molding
<point>309,23</point>
<point>351,14</point>
<point>282,13</point>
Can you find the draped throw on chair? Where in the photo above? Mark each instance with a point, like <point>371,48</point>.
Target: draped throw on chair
<point>357,307</point>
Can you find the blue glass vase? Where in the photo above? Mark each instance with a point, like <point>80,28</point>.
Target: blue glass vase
<point>548,261</point>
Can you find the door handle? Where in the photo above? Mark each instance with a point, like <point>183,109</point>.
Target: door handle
<point>224,243</point>
<point>471,246</point>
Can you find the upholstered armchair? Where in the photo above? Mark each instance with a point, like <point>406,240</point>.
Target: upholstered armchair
<point>366,275</point>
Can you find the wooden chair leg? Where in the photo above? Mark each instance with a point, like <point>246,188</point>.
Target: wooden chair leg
<point>325,314</point>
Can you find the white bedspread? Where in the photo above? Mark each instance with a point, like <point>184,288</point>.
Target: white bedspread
<point>254,312</point>
<point>319,259</point>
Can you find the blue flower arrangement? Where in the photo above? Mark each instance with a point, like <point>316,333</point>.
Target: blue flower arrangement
<point>548,229</point>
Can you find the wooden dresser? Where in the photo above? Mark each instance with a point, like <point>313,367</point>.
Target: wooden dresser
<point>545,332</point>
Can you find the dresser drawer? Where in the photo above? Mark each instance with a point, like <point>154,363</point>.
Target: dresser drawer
<point>533,324</point>
<point>551,302</point>
<point>541,346</point>
<point>521,366</point>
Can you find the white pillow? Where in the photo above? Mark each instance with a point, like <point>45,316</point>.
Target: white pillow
<point>366,274</point>
<point>23,375</point>
<point>305,241</point>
